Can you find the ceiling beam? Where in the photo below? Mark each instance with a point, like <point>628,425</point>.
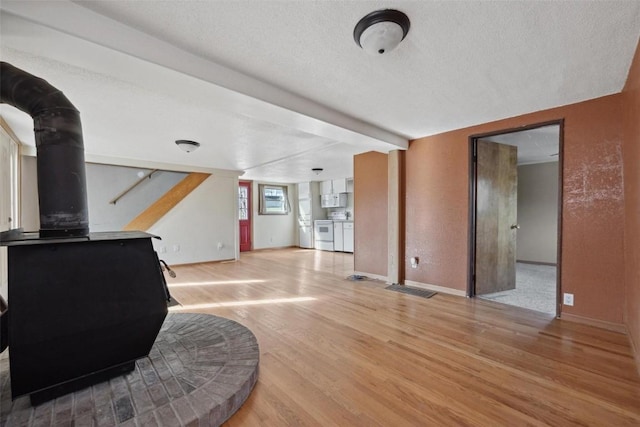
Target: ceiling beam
<point>255,97</point>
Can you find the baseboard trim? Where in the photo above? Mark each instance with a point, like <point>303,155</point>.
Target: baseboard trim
<point>271,248</point>
<point>603,324</point>
<point>436,288</point>
<point>215,261</point>
<point>372,276</point>
<point>552,264</point>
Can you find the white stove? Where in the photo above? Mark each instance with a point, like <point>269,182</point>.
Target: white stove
<point>323,233</point>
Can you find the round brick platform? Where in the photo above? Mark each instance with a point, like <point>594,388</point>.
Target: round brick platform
<point>199,372</point>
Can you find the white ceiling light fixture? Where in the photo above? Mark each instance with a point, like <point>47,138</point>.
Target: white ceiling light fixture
<point>187,146</point>
<point>381,31</point>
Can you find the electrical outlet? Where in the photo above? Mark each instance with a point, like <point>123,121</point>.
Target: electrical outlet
<point>568,299</point>
<point>414,262</point>
<point>176,248</point>
<point>162,250</point>
<point>220,245</point>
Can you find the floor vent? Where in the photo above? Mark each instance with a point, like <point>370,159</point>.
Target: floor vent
<point>411,291</point>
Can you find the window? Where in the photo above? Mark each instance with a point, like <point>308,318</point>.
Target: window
<point>243,202</point>
<point>274,200</point>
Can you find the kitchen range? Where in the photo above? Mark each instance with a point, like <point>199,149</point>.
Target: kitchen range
<point>323,232</point>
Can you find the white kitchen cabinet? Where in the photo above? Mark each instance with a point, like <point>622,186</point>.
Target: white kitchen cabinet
<point>343,236</point>
<point>305,237</point>
<point>339,186</point>
<point>338,242</point>
<point>334,186</point>
<point>347,236</point>
<point>326,187</point>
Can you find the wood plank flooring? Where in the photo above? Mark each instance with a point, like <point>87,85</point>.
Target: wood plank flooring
<point>344,353</point>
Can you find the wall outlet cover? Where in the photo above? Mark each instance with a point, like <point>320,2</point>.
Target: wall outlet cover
<point>568,299</point>
<point>414,262</point>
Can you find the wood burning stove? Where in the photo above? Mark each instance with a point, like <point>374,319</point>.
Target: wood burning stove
<point>81,310</point>
<point>82,306</point>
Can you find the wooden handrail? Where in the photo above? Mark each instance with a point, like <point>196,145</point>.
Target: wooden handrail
<point>131,187</point>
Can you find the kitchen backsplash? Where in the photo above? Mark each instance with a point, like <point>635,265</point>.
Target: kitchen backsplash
<point>340,214</point>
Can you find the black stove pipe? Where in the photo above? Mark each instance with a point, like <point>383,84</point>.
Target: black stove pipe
<point>62,188</point>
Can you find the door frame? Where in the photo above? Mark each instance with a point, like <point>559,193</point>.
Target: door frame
<point>473,202</point>
<point>17,185</point>
<point>13,198</point>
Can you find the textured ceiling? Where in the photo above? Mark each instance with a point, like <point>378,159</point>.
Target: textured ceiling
<point>462,63</point>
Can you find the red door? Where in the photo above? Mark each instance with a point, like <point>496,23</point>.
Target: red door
<point>244,214</point>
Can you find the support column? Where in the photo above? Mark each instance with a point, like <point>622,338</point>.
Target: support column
<point>395,226</point>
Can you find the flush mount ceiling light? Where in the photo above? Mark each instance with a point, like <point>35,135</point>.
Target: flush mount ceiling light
<point>317,170</point>
<point>187,146</point>
<point>381,31</point>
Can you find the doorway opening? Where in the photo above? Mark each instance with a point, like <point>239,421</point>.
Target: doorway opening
<point>244,214</point>
<point>515,216</point>
<point>9,197</point>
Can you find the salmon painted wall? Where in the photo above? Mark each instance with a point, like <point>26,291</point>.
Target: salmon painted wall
<point>437,205</point>
<point>370,205</point>
<point>631,152</point>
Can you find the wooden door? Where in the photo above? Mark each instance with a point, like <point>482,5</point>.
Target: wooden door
<point>496,217</point>
<point>244,214</point>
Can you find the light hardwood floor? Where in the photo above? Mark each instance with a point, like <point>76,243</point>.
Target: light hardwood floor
<point>337,352</point>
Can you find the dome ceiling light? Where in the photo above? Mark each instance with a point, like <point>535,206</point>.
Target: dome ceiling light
<point>381,31</point>
<point>187,146</point>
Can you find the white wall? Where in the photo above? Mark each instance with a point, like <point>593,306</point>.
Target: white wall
<point>104,182</point>
<point>274,231</point>
<point>202,220</point>
<point>538,212</point>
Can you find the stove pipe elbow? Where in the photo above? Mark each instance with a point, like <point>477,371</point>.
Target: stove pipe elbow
<point>62,187</point>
